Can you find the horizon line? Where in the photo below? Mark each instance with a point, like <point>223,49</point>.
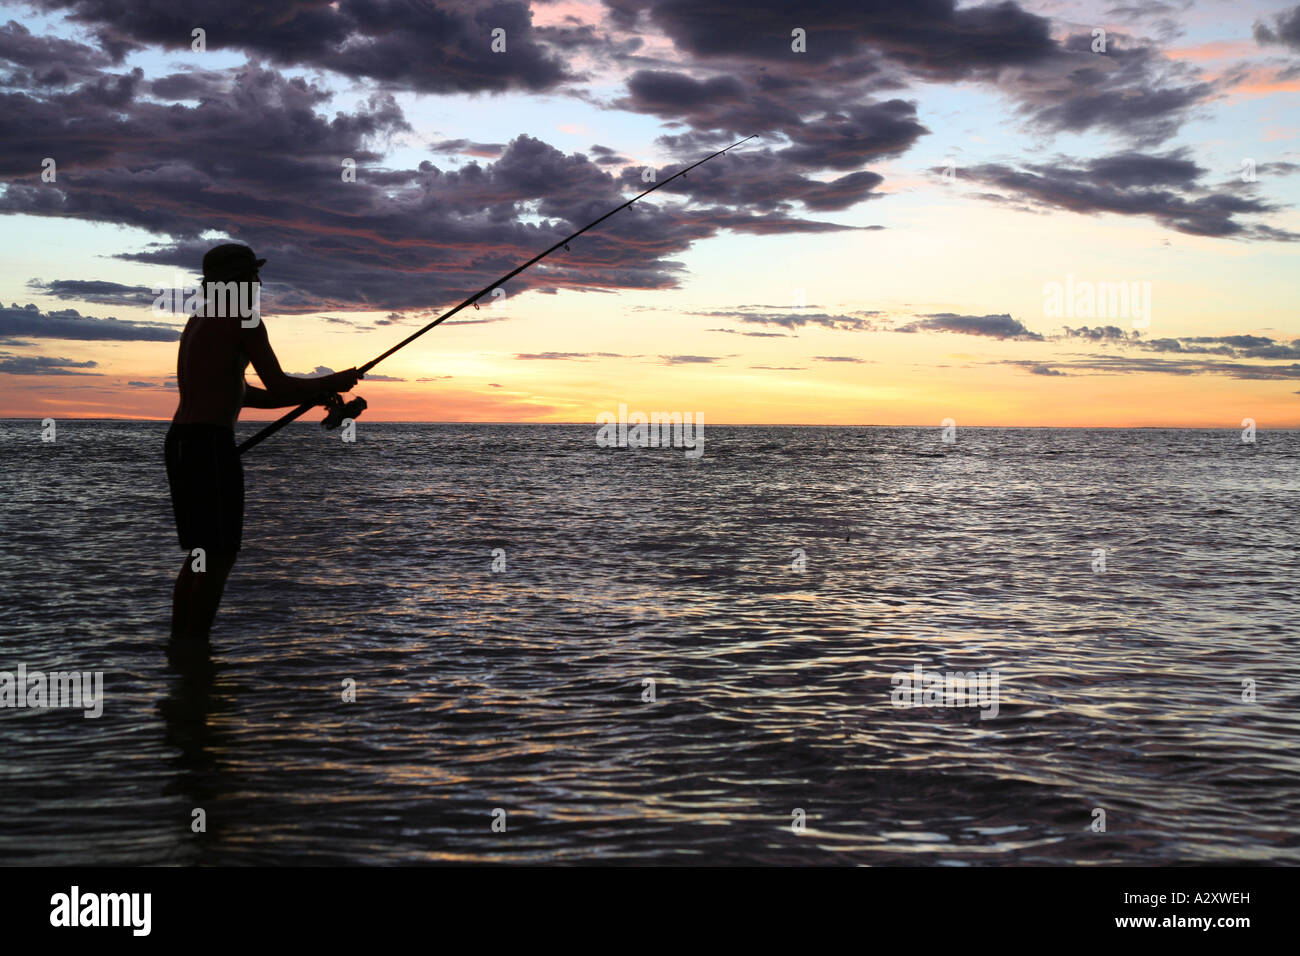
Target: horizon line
<point>258,421</point>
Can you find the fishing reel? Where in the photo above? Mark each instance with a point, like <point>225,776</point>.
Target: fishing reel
<point>336,410</point>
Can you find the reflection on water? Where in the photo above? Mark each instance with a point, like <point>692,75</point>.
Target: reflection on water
<point>523,690</point>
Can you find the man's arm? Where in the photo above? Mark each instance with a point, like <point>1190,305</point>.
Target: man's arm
<point>255,397</point>
<point>257,346</point>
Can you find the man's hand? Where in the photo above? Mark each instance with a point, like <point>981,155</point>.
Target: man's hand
<point>343,381</point>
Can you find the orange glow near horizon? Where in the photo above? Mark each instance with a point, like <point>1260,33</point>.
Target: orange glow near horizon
<point>865,393</point>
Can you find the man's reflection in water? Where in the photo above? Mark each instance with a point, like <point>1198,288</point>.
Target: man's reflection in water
<point>196,775</point>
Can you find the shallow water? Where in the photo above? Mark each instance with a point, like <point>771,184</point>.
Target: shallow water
<point>523,689</point>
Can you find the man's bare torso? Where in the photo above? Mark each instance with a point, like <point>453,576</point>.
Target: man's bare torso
<point>210,371</point>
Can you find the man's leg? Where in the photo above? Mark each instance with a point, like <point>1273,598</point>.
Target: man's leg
<point>206,591</point>
<point>181,600</point>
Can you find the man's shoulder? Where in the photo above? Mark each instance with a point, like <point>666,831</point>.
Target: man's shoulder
<point>216,333</point>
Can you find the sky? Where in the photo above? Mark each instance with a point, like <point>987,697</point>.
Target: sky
<point>1022,213</point>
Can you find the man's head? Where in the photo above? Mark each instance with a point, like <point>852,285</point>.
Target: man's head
<point>232,287</point>
<point>231,262</point>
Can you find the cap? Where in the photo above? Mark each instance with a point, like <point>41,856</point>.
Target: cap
<point>229,260</point>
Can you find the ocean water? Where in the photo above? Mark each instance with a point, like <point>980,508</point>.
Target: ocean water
<point>1162,691</point>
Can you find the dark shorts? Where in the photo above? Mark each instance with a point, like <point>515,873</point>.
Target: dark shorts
<point>207,486</point>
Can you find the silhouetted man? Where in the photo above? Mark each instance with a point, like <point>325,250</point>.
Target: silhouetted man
<point>203,469</point>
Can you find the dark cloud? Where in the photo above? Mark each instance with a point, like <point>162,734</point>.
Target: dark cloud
<point>768,223</point>
<point>1269,233</point>
<point>814,112</point>
<point>1163,188</point>
<point>31,322</point>
<point>791,319</point>
<point>847,138</point>
<point>1148,9</point>
<point>1172,345</point>
<point>855,48</point>
<point>994,326</point>
<point>1129,169</point>
<point>837,358</point>
<point>1234,346</point>
<point>1130,89</point>
<point>1119,364</point>
<point>94,290</point>
<point>607,157</point>
<point>756,335</point>
<point>673,95</point>
<point>1034,368</point>
<point>821,130</point>
<point>1228,346</point>
<point>765,181</point>
<point>42,365</point>
<point>168,384</point>
<point>428,46</point>
<point>47,61</point>
<point>824,133</point>
<point>822,111</point>
<point>573,35</point>
<point>567,356</point>
<point>1102,333</point>
<point>191,85</point>
<point>257,160</point>
<point>1272,352</point>
<point>468,148</point>
<point>931,37</point>
<point>1236,341</point>
<point>1284,30</point>
<point>691,359</point>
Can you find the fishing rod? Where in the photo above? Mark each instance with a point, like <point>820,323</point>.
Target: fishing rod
<point>337,410</point>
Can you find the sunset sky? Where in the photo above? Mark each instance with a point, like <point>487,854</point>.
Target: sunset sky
<point>881,254</point>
